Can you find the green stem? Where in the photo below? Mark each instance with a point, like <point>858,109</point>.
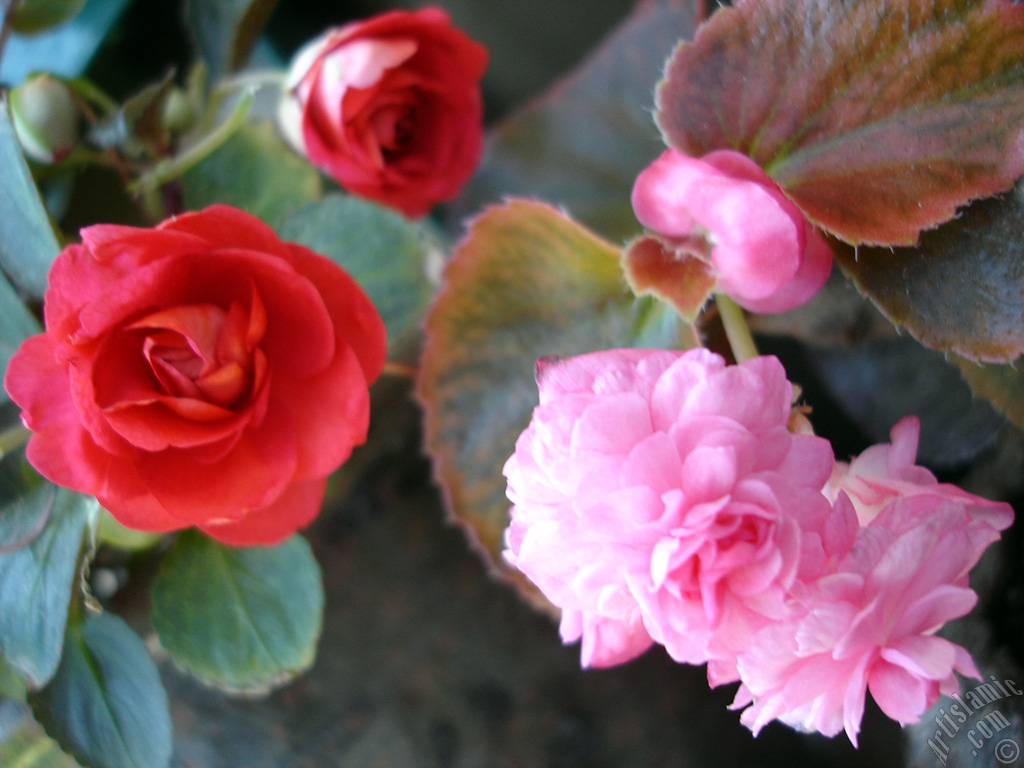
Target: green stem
<point>92,94</point>
<point>736,328</point>
<point>13,438</point>
<point>173,167</point>
<point>252,81</point>
<point>257,79</point>
<point>152,202</point>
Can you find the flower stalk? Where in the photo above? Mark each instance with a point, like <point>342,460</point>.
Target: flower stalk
<point>736,329</point>
<point>174,167</point>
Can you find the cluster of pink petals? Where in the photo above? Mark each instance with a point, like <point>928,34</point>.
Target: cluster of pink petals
<point>886,472</point>
<point>767,256</point>
<point>868,622</point>
<point>870,625</point>
<point>660,497</point>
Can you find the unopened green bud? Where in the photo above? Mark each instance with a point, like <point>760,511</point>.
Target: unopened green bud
<point>178,114</point>
<point>46,117</point>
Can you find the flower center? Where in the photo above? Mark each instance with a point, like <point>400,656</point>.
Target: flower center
<point>203,352</point>
<point>393,127</point>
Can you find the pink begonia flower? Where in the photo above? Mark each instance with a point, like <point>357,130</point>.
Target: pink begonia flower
<point>887,471</point>
<point>659,496</point>
<point>869,624</point>
<point>768,257</point>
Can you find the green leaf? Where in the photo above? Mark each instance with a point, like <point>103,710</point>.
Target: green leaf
<point>256,171</point>
<point>44,529</point>
<point>878,117</point>
<point>17,478</point>
<point>838,315</point>
<point>876,384</point>
<point>961,289</point>
<point>106,705</point>
<point>27,243</point>
<point>21,518</point>
<point>24,743</point>
<point>30,16</point>
<point>386,254</point>
<point>11,686</point>
<point>16,325</point>
<point>64,51</point>
<point>1001,385</point>
<point>582,145</point>
<point>225,31</point>
<point>243,619</point>
<point>526,282</point>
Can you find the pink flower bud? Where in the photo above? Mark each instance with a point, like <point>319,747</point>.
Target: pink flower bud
<point>768,257</point>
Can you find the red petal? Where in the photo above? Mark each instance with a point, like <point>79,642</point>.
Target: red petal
<point>142,513</point>
<point>331,413</point>
<point>173,423</point>
<point>60,448</point>
<point>296,508</point>
<point>78,279</point>
<point>355,318</point>
<point>74,280</point>
<point>200,324</point>
<point>125,248</point>
<point>253,474</point>
<point>64,452</point>
<point>123,299</point>
<point>299,334</point>
<point>431,27</point>
<point>225,385</point>
<point>119,404</point>
<point>224,226</point>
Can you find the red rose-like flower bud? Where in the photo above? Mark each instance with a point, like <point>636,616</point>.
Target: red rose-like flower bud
<point>390,107</point>
<point>201,373</point>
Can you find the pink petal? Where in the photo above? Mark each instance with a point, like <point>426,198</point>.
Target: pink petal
<point>661,190</point>
<point>942,604</point>
<point>924,656</point>
<point>903,451</point>
<point>810,276</point>
<point>898,693</point>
